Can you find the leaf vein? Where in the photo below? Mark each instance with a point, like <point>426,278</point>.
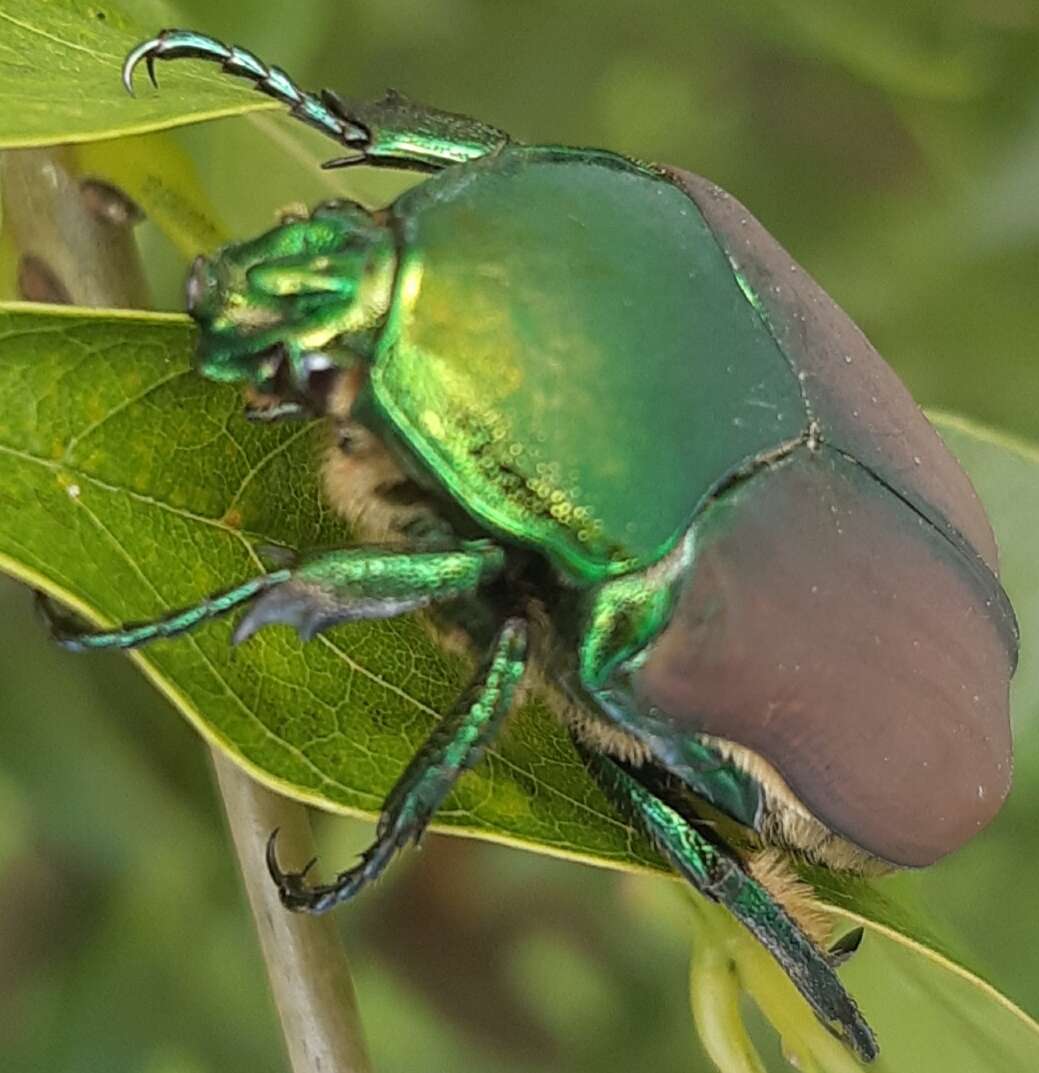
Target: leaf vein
<point>93,427</point>
<point>323,778</point>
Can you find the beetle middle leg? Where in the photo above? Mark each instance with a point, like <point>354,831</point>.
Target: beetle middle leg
<point>453,748</point>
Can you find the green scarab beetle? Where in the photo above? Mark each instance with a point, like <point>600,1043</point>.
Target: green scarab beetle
<point>590,414</point>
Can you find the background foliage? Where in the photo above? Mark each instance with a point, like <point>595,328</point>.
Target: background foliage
<point>896,156</point>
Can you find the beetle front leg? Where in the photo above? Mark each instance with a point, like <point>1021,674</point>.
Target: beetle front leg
<point>715,871</point>
<point>455,745</point>
<point>404,134</point>
<point>389,132</point>
<point>346,585</point>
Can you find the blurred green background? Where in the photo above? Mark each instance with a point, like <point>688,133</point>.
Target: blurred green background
<point>894,149</point>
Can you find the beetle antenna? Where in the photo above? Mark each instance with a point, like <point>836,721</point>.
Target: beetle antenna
<point>273,81</point>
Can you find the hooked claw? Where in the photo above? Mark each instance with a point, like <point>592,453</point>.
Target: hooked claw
<point>240,62</point>
<point>143,51</point>
<point>292,887</point>
<point>845,946</point>
<point>173,44</point>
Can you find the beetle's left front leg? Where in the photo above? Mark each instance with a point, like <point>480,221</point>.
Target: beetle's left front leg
<point>455,745</point>
<point>345,585</point>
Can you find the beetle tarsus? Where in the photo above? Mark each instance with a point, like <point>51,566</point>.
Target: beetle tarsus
<point>389,132</point>
<point>272,81</point>
<point>73,634</point>
<point>297,895</point>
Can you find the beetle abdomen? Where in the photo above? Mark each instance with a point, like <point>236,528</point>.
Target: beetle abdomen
<point>832,629</point>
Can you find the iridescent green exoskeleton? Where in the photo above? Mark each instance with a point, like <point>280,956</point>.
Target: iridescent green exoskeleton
<point>592,416</point>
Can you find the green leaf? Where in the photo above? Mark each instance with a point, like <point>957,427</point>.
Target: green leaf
<point>927,1011</point>
<point>71,52</point>
<point>128,485</point>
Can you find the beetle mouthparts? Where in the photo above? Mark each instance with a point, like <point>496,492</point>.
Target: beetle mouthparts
<point>280,385</point>
<point>267,408</point>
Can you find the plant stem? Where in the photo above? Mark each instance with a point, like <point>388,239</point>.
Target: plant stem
<point>74,240</point>
<point>306,963</point>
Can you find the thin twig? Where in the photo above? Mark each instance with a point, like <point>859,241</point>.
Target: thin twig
<point>74,238</point>
<point>305,960</point>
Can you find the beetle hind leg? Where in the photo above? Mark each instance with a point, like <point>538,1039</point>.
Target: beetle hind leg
<point>620,619</point>
<point>715,871</point>
<point>455,745</point>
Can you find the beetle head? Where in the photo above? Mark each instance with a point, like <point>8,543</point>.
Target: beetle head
<point>280,314</point>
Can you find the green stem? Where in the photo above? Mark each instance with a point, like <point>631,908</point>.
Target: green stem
<point>726,956</point>
<point>715,993</point>
<point>306,963</point>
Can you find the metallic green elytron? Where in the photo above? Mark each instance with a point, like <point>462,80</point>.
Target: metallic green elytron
<point>590,415</point>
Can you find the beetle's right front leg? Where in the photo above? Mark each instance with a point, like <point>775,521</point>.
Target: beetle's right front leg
<point>388,132</point>
<point>345,585</point>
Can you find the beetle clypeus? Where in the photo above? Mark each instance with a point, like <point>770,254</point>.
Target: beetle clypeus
<point>592,416</point>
